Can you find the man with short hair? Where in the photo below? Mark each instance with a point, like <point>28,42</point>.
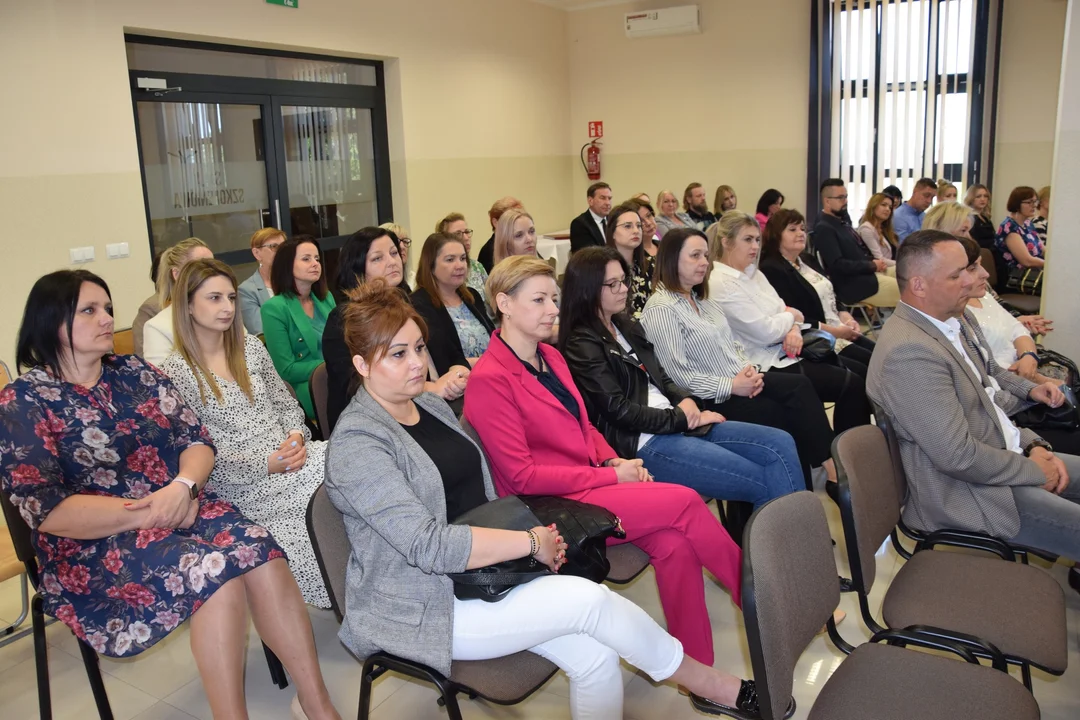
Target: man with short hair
<point>909,216</point>
<point>697,205</point>
<point>857,276</point>
<point>486,256</point>
<point>588,228</point>
<point>968,465</point>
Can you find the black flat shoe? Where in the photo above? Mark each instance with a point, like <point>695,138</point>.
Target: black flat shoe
<point>746,704</point>
<point>832,489</point>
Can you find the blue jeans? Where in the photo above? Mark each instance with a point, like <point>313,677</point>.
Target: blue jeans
<point>1048,521</point>
<point>734,461</point>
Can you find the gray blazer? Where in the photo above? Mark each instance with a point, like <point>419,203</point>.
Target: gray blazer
<point>147,310</point>
<point>663,223</point>
<point>958,470</point>
<point>398,597</point>
<point>253,294</point>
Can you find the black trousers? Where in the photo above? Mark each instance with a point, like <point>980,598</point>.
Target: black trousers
<point>788,402</point>
<point>856,356</point>
<point>837,384</point>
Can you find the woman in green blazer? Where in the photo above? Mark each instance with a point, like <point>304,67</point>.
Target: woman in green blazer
<point>293,320</point>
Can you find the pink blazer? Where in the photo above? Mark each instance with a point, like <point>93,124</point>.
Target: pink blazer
<point>535,446</point>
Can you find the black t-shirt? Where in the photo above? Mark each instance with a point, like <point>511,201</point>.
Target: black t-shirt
<point>457,460</point>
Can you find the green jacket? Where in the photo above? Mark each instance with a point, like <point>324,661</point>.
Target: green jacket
<point>293,343</point>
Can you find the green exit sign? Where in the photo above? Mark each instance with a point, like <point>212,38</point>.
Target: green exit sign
<point>286,3</point>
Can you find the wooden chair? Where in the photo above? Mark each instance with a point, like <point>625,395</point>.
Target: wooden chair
<point>505,681</point>
<point>123,342</point>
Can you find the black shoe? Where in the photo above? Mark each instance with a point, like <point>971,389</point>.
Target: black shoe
<point>1074,579</point>
<point>832,489</point>
<point>746,704</point>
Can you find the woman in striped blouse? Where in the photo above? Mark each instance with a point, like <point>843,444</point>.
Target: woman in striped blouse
<point>695,345</point>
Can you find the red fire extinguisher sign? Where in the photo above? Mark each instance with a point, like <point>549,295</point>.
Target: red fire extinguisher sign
<point>596,129</point>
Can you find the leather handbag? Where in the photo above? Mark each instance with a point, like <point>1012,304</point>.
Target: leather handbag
<point>818,345</point>
<point>584,527</point>
<point>1027,281</point>
<point>1043,417</point>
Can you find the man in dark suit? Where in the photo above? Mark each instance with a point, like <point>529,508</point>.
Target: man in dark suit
<point>486,256</point>
<point>856,275</point>
<point>588,228</point>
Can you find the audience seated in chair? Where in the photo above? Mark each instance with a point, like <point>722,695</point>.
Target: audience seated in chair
<point>640,410</point>
<point>983,229</point>
<point>625,232</point>
<point>968,466</point>
<point>147,309</point>
<point>266,464</point>
<point>724,200</point>
<point>946,191</point>
<point>909,216</point>
<point>515,234</point>
<point>256,289</point>
<point>670,217</point>
<point>587,229</point>
<point>696,205</point>
<point>368,254</point>
<point>404,244</point>
<point>1016,240</point>
<point>109,465</point>
<point>801,283</point>
<point>486,256</point>
<point>768,205</point>
<point>875,229</point>
<point>856,274</point>
<point>399,469</point>
<point>1041,221</point>
<point>534,426</point>
<point>458,325</point>
<point>694,343</point>
<point>650,238</point>
<point>456,226</point>
<point>157,333</point>
<point>294,319</point>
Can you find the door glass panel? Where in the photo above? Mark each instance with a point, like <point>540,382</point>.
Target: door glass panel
<point>330,170</point>
<point>205,173</point>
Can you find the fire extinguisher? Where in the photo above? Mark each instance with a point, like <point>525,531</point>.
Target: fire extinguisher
<point>590,158</point>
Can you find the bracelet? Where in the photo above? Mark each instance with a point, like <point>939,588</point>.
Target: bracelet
<point>1034,355</point>
<point>534,543</point>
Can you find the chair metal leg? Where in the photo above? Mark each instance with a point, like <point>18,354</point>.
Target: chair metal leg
<point>1025,673</point>
<point>41,657</point>
<point>277,670</point>
<point>97,685</point>
<point>24,588</point>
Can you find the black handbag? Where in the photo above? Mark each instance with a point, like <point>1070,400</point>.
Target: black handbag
<point>818,345</point>
<point>1043,417</point>
<point>1027,281</point>
<point>584,527</point>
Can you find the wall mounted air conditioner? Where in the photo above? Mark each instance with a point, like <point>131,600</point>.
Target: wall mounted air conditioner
<point>669,21</point>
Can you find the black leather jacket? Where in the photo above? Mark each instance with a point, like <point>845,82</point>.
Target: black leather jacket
<point>616,388</point>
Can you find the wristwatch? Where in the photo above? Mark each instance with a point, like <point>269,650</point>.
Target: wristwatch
<point>193,488</point>
<point>1038,442</point>
<point>1034,355</point>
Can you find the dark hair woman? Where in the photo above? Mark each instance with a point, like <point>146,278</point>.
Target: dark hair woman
<point>624,234</point>
<point>770,202</point>
<point>108,465</point>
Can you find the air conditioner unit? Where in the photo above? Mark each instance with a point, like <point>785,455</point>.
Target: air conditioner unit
<point>669,21</point>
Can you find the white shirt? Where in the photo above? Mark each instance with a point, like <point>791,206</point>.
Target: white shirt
<point>758,317</point>
<point>599,220</point>
<point>657,399</point>
<point>158,337</point>
<point>1000,329</point>
<point>951,330</point>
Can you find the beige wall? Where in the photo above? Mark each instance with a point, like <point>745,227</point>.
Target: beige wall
<point>726,106</point>
<point>69,171</point>
<point>1031,44</point>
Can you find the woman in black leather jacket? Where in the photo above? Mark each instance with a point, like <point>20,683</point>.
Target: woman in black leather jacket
<point>640,410</point>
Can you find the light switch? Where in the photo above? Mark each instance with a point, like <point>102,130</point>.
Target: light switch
<point>117,250</point>
<point>82,254</point>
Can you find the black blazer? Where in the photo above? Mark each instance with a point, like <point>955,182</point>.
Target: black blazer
<point>443,344</point>
<point>342,380</point>
<point>849,263</point>
<point>584,232</point>
<point>486,256</point>
<point>795,290</point>
<point>615,388</point>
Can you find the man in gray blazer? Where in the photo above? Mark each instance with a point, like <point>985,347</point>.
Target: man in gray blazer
<point>968,466</point>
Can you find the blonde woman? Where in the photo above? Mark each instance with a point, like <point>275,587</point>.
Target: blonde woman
<point>158,331</point>
<point>256,289</point>
<point>404,243</point>
<point>266,463</point>
<point>946,191</point>
<point>455,225</point>
<point>670,217</point>
<point>876,231</point>
<point>515,234</point>
<point>982,224</point>
<point>724,200</point>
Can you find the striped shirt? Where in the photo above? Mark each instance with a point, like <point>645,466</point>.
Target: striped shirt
<point>696,347</point>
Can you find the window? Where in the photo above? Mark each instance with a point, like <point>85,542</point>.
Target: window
<point>901,93</point>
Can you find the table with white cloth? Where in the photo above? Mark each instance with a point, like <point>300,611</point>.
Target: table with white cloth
<point>553,247</point>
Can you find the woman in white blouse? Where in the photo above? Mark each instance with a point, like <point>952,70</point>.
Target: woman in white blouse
<point>770,330</point>
<point>695,345</point>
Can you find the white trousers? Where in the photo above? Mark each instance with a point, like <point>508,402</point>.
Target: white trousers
<point>582,627</point>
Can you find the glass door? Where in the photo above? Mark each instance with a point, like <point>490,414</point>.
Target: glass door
<point>205,171</point>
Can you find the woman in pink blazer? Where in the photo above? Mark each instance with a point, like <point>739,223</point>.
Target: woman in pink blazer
<point>534,427</point>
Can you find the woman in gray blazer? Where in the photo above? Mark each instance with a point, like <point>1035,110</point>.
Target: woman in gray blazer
<point>256,289</point>
<point>398,468</point>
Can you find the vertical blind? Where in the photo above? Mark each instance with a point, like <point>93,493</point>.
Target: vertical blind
<point>900,103</point>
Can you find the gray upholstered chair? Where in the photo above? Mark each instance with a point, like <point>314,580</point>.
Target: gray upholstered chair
<point>1017,608</point>
<point>789,591</point>
<point>504,681</point>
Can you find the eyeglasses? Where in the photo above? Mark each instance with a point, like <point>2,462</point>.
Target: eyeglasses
<point>613,285</point>
<point>405,241</point>
<point>272,246</point>
<point>467,232</point>
<point>838,197</point>
<point>1032,201</point>
<point>630,225</point>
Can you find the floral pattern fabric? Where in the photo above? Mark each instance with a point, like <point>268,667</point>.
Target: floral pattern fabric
<point>1027,234</point>
<point>121,438</point>
<point>640,287</point>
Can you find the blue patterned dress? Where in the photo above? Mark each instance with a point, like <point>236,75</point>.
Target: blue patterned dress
<point>121,438</point>
<point>1027,234</point>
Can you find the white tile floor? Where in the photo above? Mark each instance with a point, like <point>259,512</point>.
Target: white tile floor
<point>163,684</point>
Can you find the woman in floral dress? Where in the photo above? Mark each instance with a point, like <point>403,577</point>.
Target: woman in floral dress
<point>107,464</point>
<point>267,465</point>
